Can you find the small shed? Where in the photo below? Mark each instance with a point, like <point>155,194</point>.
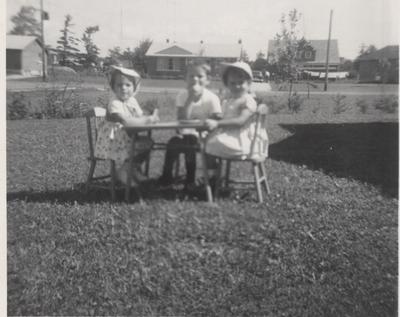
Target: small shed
<point>23,55</point>
<point>381,66</point>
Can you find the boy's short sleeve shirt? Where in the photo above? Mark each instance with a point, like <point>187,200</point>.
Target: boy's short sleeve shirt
<point>207,105</point>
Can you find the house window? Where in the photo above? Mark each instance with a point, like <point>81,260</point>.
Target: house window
<point>168,64</point>
<point>308,54</point>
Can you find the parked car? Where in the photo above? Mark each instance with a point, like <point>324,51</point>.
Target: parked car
<point>258,76</point>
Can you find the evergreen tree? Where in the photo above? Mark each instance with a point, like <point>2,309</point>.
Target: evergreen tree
<point>92,51</point>
<point>25,22</point>
<point>67,42</point>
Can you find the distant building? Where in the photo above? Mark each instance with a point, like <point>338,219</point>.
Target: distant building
<point>170,60</point>
<point>379,66</point>
<point>23,55</point>
<point>313,57</point>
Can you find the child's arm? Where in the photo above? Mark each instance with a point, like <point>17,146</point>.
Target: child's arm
<point>181,113</point>
<point>126,120</point>
<point>245,115</point>
<point>216,116</point>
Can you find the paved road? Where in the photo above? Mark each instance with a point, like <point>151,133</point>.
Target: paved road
<point>174,86</point>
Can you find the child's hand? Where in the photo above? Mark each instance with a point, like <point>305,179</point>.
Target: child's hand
<point>211,124</point>
<point>154,118</point>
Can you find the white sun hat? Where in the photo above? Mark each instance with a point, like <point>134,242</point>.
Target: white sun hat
<point>126,72</point>
<point>237,65</point>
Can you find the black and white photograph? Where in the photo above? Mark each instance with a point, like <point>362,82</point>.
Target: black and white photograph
<point>201,158</point>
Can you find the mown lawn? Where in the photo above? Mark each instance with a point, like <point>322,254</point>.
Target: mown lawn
<point>324,243</point>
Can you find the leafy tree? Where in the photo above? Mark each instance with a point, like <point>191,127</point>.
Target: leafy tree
<point>67,42</point>
<point>115,53</point>
<point>260,64</point>
<point>137,56</point>
<point>129,55</point>
<point>244,56</point>
<point>288,52</point>
<point>260,55</point>
<point>25,22</point>
<point>346,65</point>
<point>114,56</point>
<point>288,45</point>
<point>91,56</point>
<point>364,49</point>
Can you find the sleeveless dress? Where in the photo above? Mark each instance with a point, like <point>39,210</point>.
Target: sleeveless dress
<point>235,142</point>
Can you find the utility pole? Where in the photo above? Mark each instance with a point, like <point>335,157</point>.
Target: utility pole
<point>241,50</point>
<point>44,60</point>
<point>327,53</point>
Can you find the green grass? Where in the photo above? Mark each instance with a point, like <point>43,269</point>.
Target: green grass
<point>324,243</point>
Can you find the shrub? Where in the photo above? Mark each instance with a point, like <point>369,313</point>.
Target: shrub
<point>18,107</point>
<point>362,105</point>
<point>340,105</point>
<point>295,102</point>
<point>61,103</point>
<point>387,104</point>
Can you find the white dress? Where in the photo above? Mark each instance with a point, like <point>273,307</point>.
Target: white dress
<point>236,142</point>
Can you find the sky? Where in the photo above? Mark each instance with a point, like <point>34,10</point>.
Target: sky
<point>125,22</point>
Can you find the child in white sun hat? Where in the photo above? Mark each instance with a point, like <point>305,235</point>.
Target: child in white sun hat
<point>112,141</point>
<point>232,136</point>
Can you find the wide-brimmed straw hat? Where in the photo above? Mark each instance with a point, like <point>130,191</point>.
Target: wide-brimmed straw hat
<point>237,65</point>
<point>126,72</point>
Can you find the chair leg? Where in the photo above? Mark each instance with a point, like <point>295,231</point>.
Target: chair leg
<point>147,166</point>
<point>257,182</point>
<point>218,179</point>
<point>91,173</point>
<point>113,180</point>
<point>227,172</point>
<point>177,167</point>
<point>264,173</point>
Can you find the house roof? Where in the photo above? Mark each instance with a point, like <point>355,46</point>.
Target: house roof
<point>320,47</point>
<point>195,49</point>
<point>389,52</point>
<point>19,42</point>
